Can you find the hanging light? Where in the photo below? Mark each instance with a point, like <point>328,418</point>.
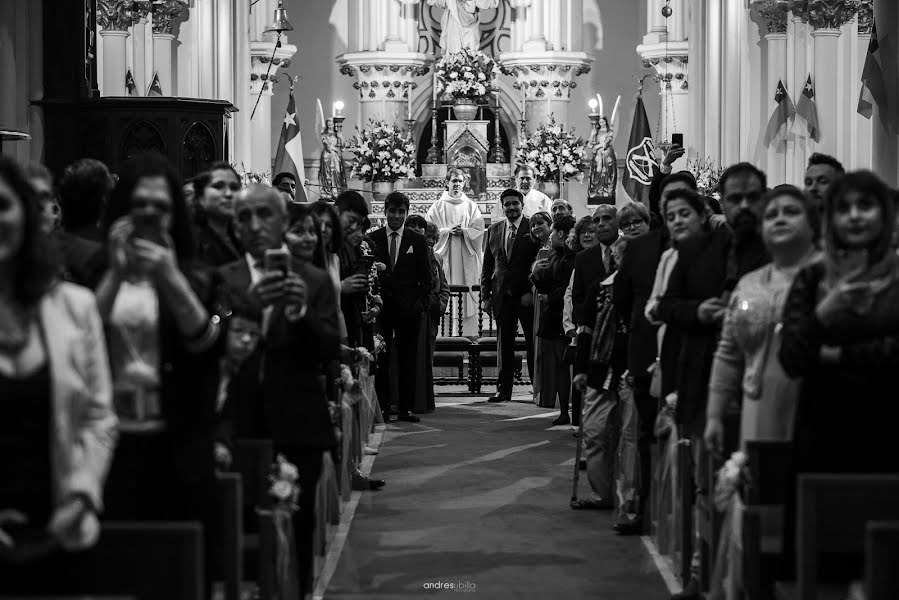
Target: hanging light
<point>280,23</point>
<point>667,11</point>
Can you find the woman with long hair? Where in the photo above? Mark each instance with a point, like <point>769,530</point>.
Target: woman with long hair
<point>214,193</point>
<point>332,240</point>
<point>57,426</point>
<point>551,283</point>
<point>540,224</point>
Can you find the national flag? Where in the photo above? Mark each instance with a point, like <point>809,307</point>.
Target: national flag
<point>873,86</point>
<point>641,157</point>
<point>155,90</point>
<point>289,156</point>
<point>783,112</point>
<point>130,85</point>
<point>808,110</point>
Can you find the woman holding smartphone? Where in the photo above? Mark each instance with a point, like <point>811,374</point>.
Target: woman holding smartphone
<point>163,351</point>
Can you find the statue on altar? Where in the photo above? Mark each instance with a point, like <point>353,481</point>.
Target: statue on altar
<point>459,24</point>
<point>604,169</point>
<point>331,174</point>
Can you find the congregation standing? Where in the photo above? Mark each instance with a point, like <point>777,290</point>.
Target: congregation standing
<point>147,323</point>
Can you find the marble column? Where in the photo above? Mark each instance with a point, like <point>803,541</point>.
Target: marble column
<point>827,87</point>
<point>536,41</point>
<point>774,16</point>
<point>262,79</point>
<point>113,19</point>
<point>139,49</point>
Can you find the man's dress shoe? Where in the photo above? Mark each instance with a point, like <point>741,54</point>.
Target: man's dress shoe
<point>499,398</point>
<point>361,483</point>
<point>408,416</point>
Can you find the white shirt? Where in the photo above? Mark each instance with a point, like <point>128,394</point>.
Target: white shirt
<point>536,201</point>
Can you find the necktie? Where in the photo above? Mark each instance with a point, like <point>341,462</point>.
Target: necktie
<point>393,237</point>
<point>510,240</point>
<point>607,259</point>
<point>611,262</point>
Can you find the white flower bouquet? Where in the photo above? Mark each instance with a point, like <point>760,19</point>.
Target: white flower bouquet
<point>284,487</point>
<point>730,478</point>
<point>466,74</point>
<point>250,177</point>
<point>552,151</point>
<point>382,153</point>
<point>707,174</point>
<point>380,344</point>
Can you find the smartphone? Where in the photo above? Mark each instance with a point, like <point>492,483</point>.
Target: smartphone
<point>677,138</point>
<point>149,227</point>
<point>277,260</point>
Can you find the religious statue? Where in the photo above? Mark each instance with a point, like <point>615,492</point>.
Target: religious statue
<point>604,170</point>
<point>459,24</point>
<point>331,174</point>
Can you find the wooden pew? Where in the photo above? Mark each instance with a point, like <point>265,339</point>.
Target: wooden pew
<point>685,505</point>
<point>452,347</point>
<point>230,487</point>
<point>882,560</point>
<point>253,459</point>
<point>152,560</point>
<point>770,478</point>
<point>832,512</point>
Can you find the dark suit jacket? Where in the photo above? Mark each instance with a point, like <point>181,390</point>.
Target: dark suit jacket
<point>553,281</point>
<point>701,273</point>
<point>287,378</point>
<point>589,272</point>
<point>507,278</point>
<point>213,249</point>
<point>406,286</point>
<point>633,286</point>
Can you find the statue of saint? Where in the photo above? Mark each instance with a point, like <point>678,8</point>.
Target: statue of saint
<point>459,24</point>
<point>331,175</point>
<point>604,170</point>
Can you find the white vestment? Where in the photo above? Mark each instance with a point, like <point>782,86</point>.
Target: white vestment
<point>459,24</point>
<point>461,255</point>
<point>536,201</point>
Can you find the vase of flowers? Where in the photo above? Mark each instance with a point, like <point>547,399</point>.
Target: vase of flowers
<point>382,154</point>
<point>707,173</point>
<point>466,77</point>
<point>554,154</point>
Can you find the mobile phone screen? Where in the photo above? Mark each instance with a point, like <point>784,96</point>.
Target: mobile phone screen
<point>277,260</point>
<point>677,138</point>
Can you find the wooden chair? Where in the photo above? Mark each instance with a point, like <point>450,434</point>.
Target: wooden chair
<point>770,467</point>
<point>881,560</point>
<point>230,487</point>
<point>152,560</point>
<point>832,513</point>
<point>488,347</point>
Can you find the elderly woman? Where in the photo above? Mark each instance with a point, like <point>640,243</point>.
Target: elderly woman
<point>541,228</point>
<point>57,427</point>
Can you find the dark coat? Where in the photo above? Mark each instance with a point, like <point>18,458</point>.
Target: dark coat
<point>589,272</point>
<point>507,278</point>
<point>214,250</point>
<point>633,286</point>
<point>704,270</point>
<point>287,376</point>
<point>406,286</point>
<point>553,281</point>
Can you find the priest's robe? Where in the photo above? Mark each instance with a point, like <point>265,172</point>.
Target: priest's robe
<point>462,255</point>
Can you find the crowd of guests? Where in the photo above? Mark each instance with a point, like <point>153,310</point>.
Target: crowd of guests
<point>147,323</point>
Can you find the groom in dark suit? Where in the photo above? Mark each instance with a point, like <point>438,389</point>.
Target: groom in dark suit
<point>405,286</point>
<point>504,280</point>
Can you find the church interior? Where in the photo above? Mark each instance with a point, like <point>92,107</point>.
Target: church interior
<point>599,100</point>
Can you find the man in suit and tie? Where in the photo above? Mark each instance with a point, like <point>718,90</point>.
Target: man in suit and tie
<point>504,280</point>
<point>279,389</point>
<point>593,265</point>
<point>405,286</point>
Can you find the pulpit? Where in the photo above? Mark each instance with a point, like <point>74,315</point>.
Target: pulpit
<point>191,133</point>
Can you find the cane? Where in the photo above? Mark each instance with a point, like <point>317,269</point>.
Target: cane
<point>580,447</point>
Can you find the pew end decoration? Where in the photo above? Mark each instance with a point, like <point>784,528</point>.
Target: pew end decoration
<point>381,152</point>
<point>553,153</point>
<point>284,491</point>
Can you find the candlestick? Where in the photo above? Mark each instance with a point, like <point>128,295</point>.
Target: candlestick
<point>524,99</point>
<point>409,102</point>
<point>433,157</point>
<point>497,154</point>
<point>434,89</point>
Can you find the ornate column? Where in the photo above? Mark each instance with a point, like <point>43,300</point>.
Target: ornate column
<point>862,140</point>
<point>261,56</point>
<point>164,16</point>
<point>536,41</point>
<point>774,15</point>
<point>826,17</point>
<point>383,80</point>
<point>114,16</point>
<point>669,57</point>
<point>140,13</point>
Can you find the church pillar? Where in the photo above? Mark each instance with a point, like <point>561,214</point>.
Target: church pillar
<point>164,16</point>
<point>114,20</point>
<point>536,41</point>
<point>139,48</point>
<point>827,86</point>
<point>774,16</point>
<point>263,69</point>
<point>382,79</point>
<point>243,100</point>
<point>862,139</point>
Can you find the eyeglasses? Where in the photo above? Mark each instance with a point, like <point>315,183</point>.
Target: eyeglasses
<point>631,224</point>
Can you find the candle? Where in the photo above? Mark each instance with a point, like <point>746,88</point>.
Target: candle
<point>333,110</point>
<point>434,90</point>
<point>409,102</point>
<point>524,99</point>
<point>338,108</point>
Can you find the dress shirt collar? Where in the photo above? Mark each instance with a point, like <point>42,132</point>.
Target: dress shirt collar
<point>516,222</point>
<point>399,231</point>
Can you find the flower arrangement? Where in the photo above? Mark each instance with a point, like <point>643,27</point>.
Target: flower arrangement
<point>380,344</point>
<point>382,153</point>
<point>283,487</point>
<point>707,174</point>
<point>730,477</point>
<point>552,151</point>
<point>250,177</point>
<point>466,74</point>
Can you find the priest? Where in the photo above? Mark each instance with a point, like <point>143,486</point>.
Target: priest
<point>461,227</point>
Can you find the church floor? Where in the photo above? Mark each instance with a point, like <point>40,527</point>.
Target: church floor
<point>477,496</point>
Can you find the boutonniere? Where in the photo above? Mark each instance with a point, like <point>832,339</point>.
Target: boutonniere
<point>409,251</point>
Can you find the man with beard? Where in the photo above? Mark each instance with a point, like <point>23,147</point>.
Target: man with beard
<point>534,200</point>
<point>504,280</point>
<point>822,169</point>
<point>707,270</point>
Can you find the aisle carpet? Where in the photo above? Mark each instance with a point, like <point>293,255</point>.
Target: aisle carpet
<point>477,497</point>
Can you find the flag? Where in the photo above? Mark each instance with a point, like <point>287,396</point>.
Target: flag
<point>641,157</point>
<point>155,89</point>
<point>873,86</point>
<point>808,110</point>
<point>783,112</point>
<point>130,85</point>
<point>289,157</point>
